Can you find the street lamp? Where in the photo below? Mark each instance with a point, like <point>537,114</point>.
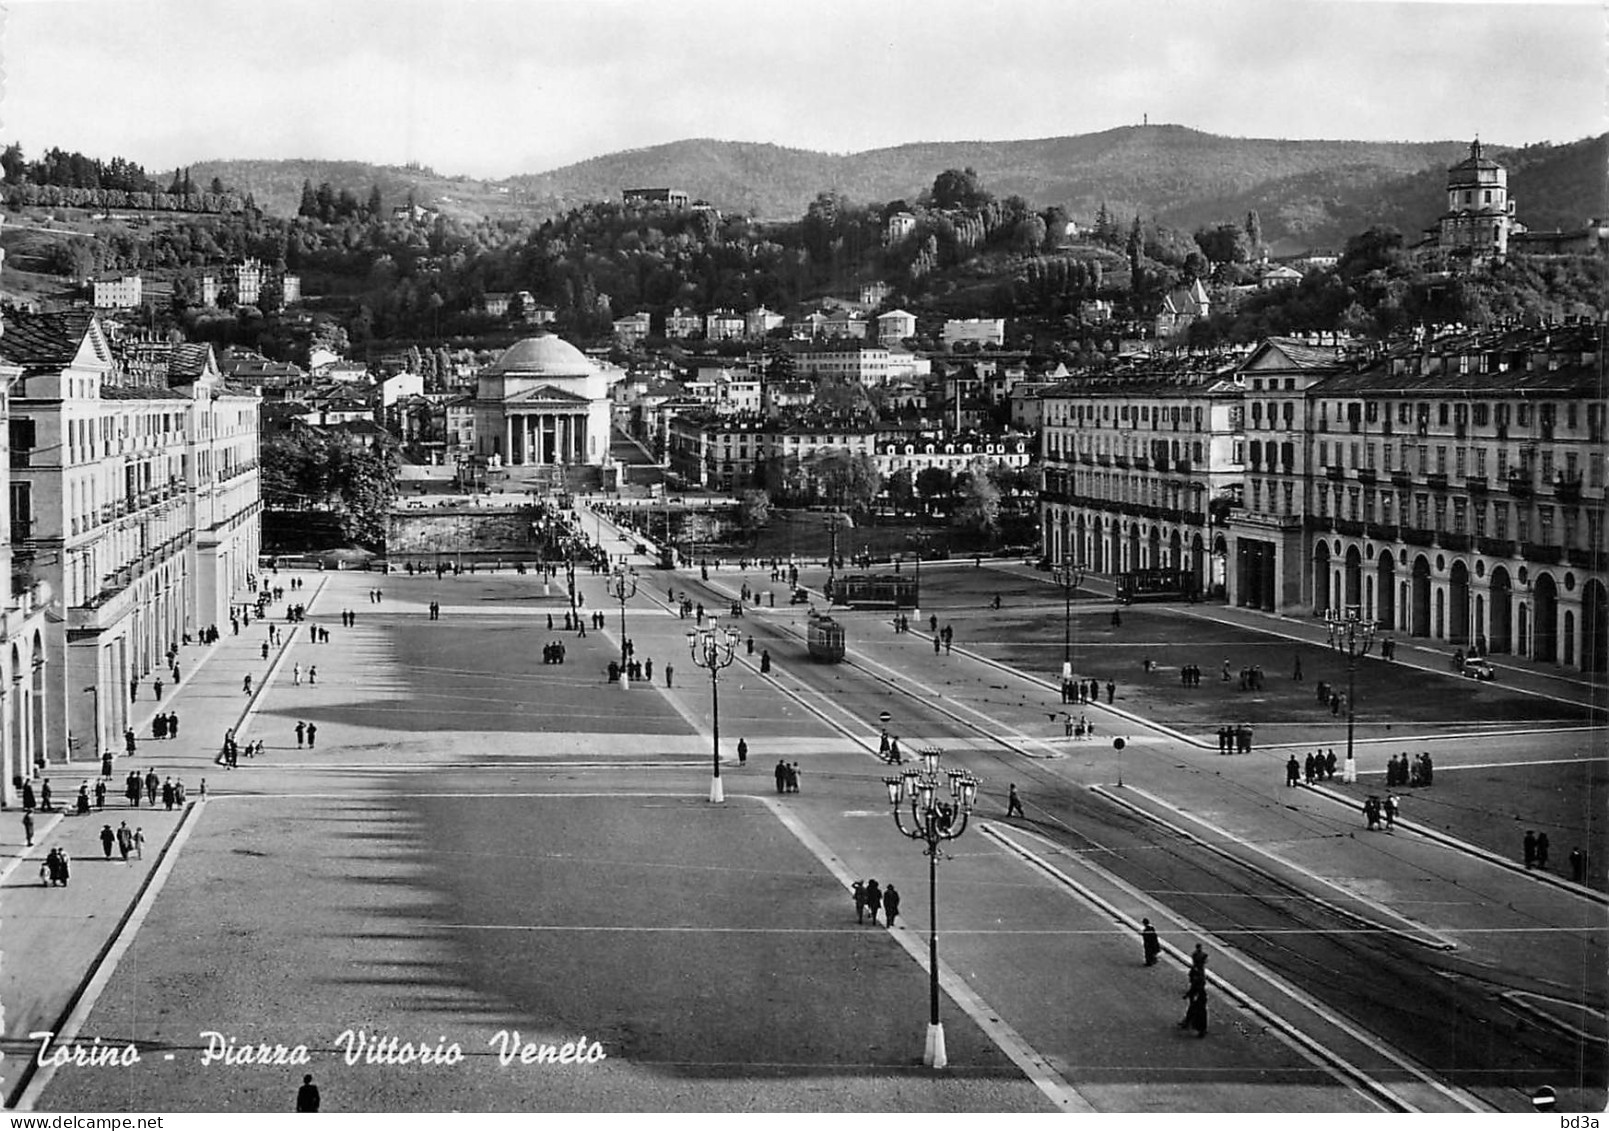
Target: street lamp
<point>714,648</point>
<point>918,543</point>
<point>1355,637</point>
<point>623,587</point>
<point>1069,577</point>
<point>935,819</point>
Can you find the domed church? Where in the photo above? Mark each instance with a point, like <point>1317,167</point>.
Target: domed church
<point>542,402</point>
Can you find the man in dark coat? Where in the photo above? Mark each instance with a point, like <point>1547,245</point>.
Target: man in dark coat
<point>1149,942</point>
<point>781,775</point>
<point>307,1098</point>
<point>890,904</point>
<point>874,899</point>
<point>1530,848</point>
<point>108,839</point>
<point>1293,771</point>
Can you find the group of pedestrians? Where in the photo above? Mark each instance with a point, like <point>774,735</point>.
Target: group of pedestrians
<point>871,899</point>
<point>128,842</point>
<point>1234,739</point>
<point>1400,772</point>
<point>306,732</point>
<point>1087,691</point>
<point>787,775</point>
<point>553,652</point>
<point>1376,811</point>
<point>1190,675</point>
<point>1316,767</point>
<point>163,726</point>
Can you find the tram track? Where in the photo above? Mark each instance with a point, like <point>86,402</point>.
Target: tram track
<point>1440,1013</point>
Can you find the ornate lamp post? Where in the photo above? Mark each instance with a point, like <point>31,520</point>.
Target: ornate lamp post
<point>569,570</point>
<point>1069,577</point>
<point>714,648</point>
<point>1354,637</point>
<point>623,587</point>
<point>940,803</point>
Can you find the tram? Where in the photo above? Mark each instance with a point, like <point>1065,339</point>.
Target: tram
<point>875,590</point>
<point>826,639</point>
<point>1157,585</point>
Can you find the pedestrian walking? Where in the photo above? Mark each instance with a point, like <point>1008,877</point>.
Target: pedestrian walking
<point>167,795</point>
<point>108,839</point>
<point>1297,674</point>
<point>312,734</point>
<point>670,672</point>
<point>793,777</point>
<point>296,675</point>
<point>1195,1015</point>
<point>1111,692</point>
<point>1149,942</point>
<point>1014,803</point>
<point>874,900</point>
<point>1530,848</point>
<point>312,675</point>
<point>152,784</point>
<point>742,752</point>
<point>139,843</point>
<point>890,904</point>
<point>45,802</point>
<point>245,685</point>
<point>125,841</point>
<point>781,773</point>
<point>100,793</point>
<point>1578,861</point>
<point>858,889</point>
<point>28,828</point>
<point>307,1098</point>
<point>301,734</point>
<point>1293,771</point>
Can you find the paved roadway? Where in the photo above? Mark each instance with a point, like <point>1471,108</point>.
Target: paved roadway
<point>482,841</point>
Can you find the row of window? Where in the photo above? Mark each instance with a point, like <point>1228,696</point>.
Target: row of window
<point>1080,414</point>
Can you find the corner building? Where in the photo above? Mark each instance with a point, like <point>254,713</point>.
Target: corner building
<point>1457,492</point>
<point>135,500</point>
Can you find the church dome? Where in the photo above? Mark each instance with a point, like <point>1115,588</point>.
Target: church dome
<point>545,354</point>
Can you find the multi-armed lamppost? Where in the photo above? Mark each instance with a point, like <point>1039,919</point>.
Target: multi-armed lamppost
<point>1069,577</point>
<point>1355,637</point>
<point>940,804</point>
<point>714,648</point>
<point>623,587</point>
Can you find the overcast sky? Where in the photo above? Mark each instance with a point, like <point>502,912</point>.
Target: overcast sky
<point>497,87</point>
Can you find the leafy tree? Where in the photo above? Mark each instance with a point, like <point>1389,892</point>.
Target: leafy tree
<point>753,512</point>
<point>958,188</point>
<point>935,485</point>
<point>309,205</point>
<point>979,510</point>
<point>13,163</point>
<point>849,479</point>
<point>902,489</point>
<point>1254,231</point>
<point>376,204</point>
<point>1225,243</point>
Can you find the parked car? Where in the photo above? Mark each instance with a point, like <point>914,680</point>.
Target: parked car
<point>1476,667</point>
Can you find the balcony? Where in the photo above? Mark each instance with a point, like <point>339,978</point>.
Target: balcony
<point>1382,531</point>
<point>1086,458</point>
<point>1368,475</point>
<point>1142,463</point>
<point>1568,487</point>
<point>1476,484</point>
<point>1103,460</point>
<point>1349,526</point>
<point>1453,541</point>
<point>22,529</point>
<point>1418,536</point>
<point>1586,559</point>
<point>1334,473</point>
<point>1181,466</point>
<point>1436,480</point>
<point>20,457</point>
<point>1120,461</point>
<point>1541,553</point>
<point>1401,479</point>
<point>1317,522</point>
<point>1519,484</point>
<point>1495,547</point>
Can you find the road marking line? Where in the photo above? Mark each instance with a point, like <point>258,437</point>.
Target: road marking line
<point>1032,1063</point>
<point>1316,1051</point>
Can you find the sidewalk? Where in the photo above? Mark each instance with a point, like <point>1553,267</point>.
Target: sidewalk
<point>53,938</point>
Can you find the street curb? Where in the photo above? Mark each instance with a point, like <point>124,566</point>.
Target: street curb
<point>1486,854</point>
<point>1437,943</point>
<point>1295,1035</point>
<point>22,1095</point>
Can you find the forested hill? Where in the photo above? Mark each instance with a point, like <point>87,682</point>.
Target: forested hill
<point>1307,193</point>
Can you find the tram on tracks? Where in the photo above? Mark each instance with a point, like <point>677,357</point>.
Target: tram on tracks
<point>875,590</point>
<point>825,638</point>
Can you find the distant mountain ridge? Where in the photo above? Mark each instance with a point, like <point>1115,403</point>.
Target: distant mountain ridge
<point>1307,193</point>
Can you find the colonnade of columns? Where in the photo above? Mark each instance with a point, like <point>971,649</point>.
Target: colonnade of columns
<point>546,437</point>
